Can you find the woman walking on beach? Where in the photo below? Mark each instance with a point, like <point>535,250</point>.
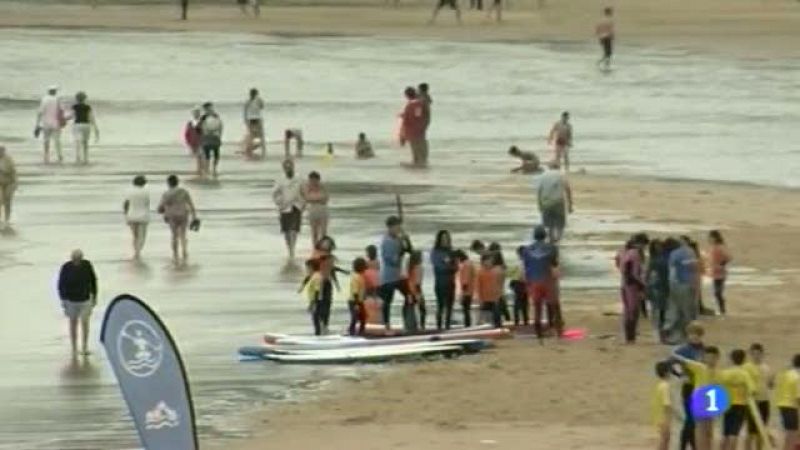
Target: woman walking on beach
<point>719,257</point>
<point>445,267</point>
<point>8,185</point>
<point>84,124</point>
<point>177,207</point>
<point>316,199</point>
<point>137,213</point>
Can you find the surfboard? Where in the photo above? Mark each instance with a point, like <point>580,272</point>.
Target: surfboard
<point>762,430</point>
<point>374,355</point>
<point>481,331</point>
<point>469,345</point>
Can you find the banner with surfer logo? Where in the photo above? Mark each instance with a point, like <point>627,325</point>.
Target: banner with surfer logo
<point>151,375</point>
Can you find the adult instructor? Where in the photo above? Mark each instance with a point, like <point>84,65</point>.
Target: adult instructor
<point>77,288</point>
<point>288,197</point>
<point>414,127</point>
<point>554,196</point>
<point>393,247</point>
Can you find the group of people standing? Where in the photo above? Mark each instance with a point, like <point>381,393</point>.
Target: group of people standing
<point>53,116</point>
<point>668,274</point>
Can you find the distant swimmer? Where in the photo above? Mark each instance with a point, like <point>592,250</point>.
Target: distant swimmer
<point>452,4</point>
<point>529,161</point>
<point>316,199</point>
<point>8,185</point>
<point>83,124</point>
<point>554,197</point>
<point>137,213</point>
<point>254,121</point>
<point>364,147</point>
<point>288,198</point>
<point>210,126</point>
<point>296,135</point>
<point>77,289</point>
<point>560,138</point>
<point>414,127</point>
<point>177,207</point>
<point>50,119</point>
<point>605,34</point>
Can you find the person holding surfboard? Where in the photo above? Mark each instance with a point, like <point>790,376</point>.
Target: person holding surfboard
<point>414,124</point>
<point>764,380</point>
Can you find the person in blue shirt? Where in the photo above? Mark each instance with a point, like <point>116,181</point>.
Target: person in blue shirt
<point>540,263</point>
<point>445,267</point>
<point>393,247</point>
<point>682,306</point>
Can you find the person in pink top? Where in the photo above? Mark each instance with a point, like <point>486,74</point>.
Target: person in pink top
<point>413,128</point>
<point>719,257</point>
<point>605,34</point>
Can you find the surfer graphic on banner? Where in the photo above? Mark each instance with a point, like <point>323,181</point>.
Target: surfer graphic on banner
<point>150,374</point>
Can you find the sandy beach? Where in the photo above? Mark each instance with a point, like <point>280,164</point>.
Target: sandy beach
<point>593,394</point>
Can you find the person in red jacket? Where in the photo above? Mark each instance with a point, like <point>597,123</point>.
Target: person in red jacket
<point>414,125</point>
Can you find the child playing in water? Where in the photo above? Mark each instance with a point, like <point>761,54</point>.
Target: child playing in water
<point>718,261</point>
<point>415,298</point>
<point>489,289</point>
<point>662,405</point>
<point>358,313</point>
<point>466,281</point>
<point>364,147</point>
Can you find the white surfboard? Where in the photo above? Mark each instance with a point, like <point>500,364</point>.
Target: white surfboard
<point>374,355</point>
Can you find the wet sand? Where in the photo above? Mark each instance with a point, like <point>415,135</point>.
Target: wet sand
<point>744,28</point>
<point>591,394</point>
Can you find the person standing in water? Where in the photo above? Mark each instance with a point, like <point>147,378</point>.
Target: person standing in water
<point>413,128</point>
<point>364,147</point>
<point>49,122</point>
<point>8,185</point>
<point>77,289</point>
<point>316,200</point>
<point>442,4</point>
<point>605,35</point>
<point>210,126</point>
<point>561,139</point>
<point>177,207</point>
<point>288,198</point>
<point>719,257</point>
<point>137,213</point>
<point>84,124</point>
<point>192,138</point>
<point>445,268</point>
<point>254,121</point>
<point>554,196</point>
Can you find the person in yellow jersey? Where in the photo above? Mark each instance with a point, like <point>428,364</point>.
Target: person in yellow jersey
<point>358,313</point>
<point>787,399</point>
<point>704,374</point>
<point>662,405</point>
<point>764,380</point>
<point>740,387</point>
<point>313,290</point>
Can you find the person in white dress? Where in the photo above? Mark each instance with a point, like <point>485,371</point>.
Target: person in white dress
<point>50,120</point>
<point>137,213</point>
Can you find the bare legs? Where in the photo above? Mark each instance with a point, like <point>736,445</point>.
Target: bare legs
<point>291,242</point>
<point>319,229</point>
<point>6,198</point>
<point>73,334</point>
<point>180,252</point>
<point>55,136</point>
<point>139,232</point>
<point>82,149</point>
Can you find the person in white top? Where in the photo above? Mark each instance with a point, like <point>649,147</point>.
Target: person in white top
<point>137,213</point>
<point>288,197</point>
<point>554,196</point>
<point>254,121</point>
<point>50,120</point>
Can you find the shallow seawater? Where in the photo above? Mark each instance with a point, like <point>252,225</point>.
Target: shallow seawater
<point>651,116</point>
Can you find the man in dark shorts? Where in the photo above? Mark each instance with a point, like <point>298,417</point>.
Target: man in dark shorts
<point>254,121</point>
<point>605,34</point>
<point>288,199</point>
<point>452,4</point>
<point>393,247</point>
<point>210,127</point>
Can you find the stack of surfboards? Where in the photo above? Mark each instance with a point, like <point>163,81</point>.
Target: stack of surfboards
<point>290,349</point>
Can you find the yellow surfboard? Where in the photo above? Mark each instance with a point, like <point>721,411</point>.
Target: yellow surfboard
<point>762,430</point>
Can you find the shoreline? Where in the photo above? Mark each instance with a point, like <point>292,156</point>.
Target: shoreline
<point>749,29</point>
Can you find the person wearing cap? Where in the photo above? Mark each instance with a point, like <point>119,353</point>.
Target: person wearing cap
<point>8,184</point>
<point>392,248</point>
<point>554,196</point>
<point>210,126</point>
<point>50,120</point>
<point>77,289</point>
<point>288,198</point>
<point>83,125</point>
<point>540,264</point>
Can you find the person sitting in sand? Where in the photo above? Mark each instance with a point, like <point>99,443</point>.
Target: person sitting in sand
<point>295,134</point>
<point>529,161</point>
<point>364,147</point>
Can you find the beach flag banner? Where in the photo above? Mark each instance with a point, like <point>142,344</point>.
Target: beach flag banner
<point>150,374</point>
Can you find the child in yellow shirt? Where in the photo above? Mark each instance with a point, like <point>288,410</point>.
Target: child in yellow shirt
<point>662,405</point>
<point>704,374</point>
<point>764,380</point>
<point>740,387</point>
<point>787,399</point>
<point>358,291</point>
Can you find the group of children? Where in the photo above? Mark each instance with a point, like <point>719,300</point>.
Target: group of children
<point>748,381</point>
<point>456,276</point>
